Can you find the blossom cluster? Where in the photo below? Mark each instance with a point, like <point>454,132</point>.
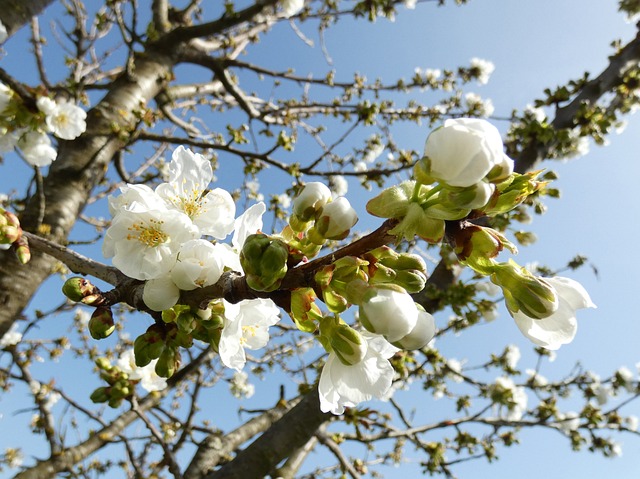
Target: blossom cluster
<point>27,131</point>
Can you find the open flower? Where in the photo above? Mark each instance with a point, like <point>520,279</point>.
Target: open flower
<point>463,151</point>
<point>189,177</point>
<point>65,120</point>
<point>560,327</point>
<point>199,264</point>
<point>144,244</point>
<point>346,386</point>
<point>36,148</point>
<point>246,326</point>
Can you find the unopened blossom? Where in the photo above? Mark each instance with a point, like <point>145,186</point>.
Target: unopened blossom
<point>560,327</point>
<point>144,244</point>
<point>161,293</point>
<point>246,326</point>
<point>336,219</point>
<point>388,311</point>
<point>36,148</point>
<point>485,69</point>
<point>343,386</point>
<point>422,333</point>
<point>291,7</point>
<point>189,177</point>
<point>631,422</point>
<point>311,199</point>
<point>625,376</point>
<point>11,337</point>
<point>463,151</point>
<point>198,265</point>
<point>147,376</point>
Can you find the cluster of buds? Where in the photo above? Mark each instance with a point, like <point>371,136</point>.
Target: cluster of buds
<point>11,236</point>
<point>320,217</point>
<point>119,386</point>
<point>464,173</point>
<point>264,261</point>
<point>81,290</point>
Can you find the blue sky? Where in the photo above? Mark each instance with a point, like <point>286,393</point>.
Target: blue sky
<point>533,45</point>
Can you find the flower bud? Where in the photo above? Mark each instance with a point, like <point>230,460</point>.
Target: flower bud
<point>525,292</point>
<point>101,324</point>
<point>104,364</point>
<point>264,261</point>
<point>472,197</point>
<point>309,202</point>
<point>168,362</point>
<point>512,192</point>
<point>148,346</point>
<point>77,288</point>
<point>388,310</point>
<point>501,170</point>
<point>420,335</point>
<point>100,395</point>
<point>476,246</point>
<point>304,312</point>
<point>334,222</point>
<point>9,234</point>
<point>348,345</point>
<point>22,250</point>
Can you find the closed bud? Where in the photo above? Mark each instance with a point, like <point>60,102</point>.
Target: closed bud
<point>304,312</point>
<point>476,246</point>
<point>422,172</point>
<point>264,261</point>
<point>421,334</point>
<point>9,234</point>
<point>388,310</point>
<point>100,395</point>
<point>168,362</point>
<point>334,221</point>
<point>345,341</point>
<point>115,402</point>
<point>148,346</point>
<point>310,200</point>
<point>471,197</point>
<point>512,192</point>
<point>525,292</point>
<point>101,324</point>
<point>77,288</point>
<point>413,281</point>
<point>104,364</point>
<point>22,250</point>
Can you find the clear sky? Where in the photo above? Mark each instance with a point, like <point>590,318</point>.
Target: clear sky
<point>534,45</point>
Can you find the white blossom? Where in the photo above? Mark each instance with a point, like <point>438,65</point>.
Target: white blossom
<point>421,334</point>
<point>515,403</point>
<point>485,67</point>
<point>568,422</point>
<point>410,4</point>
<point>463,151</point>
<point>8,139</point>
<point>198,265</point>
<point>36,148</point>
<point>64,120</point>
<point>454,370</point>
<point>144,244</point>
<point>512,356</point>
<point>240,386</point>
<point>373,153</point>
<point>560,327</point>
<point>536,379</point>
<point>11,337</point>
<point>81,316</point>
<point>310,200</point>
<point>632,423</point>
<point>189,177</point>
<point>246,326</point>
<point>5,96</point>
<point>336,219</point>
<point>536,112</point>
<point>476,103</point>
<point>388,312</point>
<point>3,33</point>
<point>160,293</point>
<point>339,185</point>
<point>147,376</point>
<point>291,7</point>
<point>343,386</point>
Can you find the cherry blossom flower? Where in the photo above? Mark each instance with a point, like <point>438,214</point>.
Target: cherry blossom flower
<point>189,176</point>
<point>36,148</point>
<point>144,244</point>
<point>485,69</point>
<point>11,337</point>
<point>198,265</point>
<point>311,199</point>
<point>160,293</point>
<point>64,120</point>
<point>560,327</point>
<point>389,312</point>
<point>291,7</point>
<point>246,326</point>
<point>3,33</point>
<point>343,386</point>
<point>463,151</point>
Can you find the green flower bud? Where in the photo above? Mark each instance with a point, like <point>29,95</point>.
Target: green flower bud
<point>471,197</point>
<point>148,346</point>
<point>422,172</point>
<point>104,364</point>
<point>77,288</point>
<point>9,234</point>
<point>304,312</point>
<point>512,192</point>
<point>101,324</point>
<point>525,292</point>
<point>264,261</point>
<point>115,402</point>
<point>100,395</point>
<point>168,362</point>
<point>22,250</point>
<point>343,340</point>
<point>476,246</point>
